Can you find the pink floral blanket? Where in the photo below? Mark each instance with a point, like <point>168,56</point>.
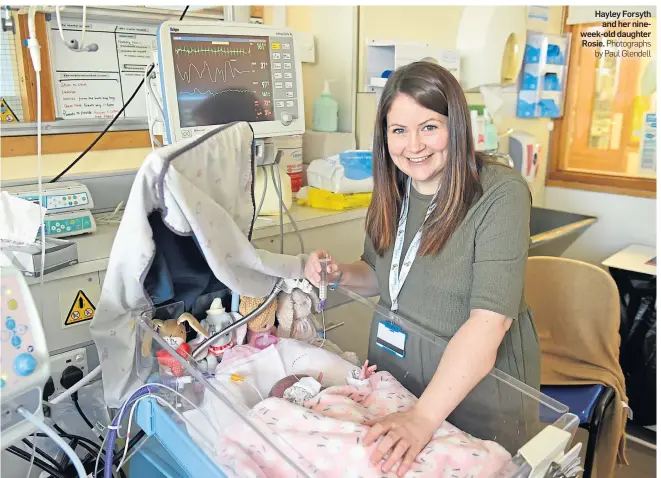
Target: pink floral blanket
<point>328,432</point>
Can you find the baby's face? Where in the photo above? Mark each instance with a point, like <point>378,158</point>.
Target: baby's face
<point>283,384</point>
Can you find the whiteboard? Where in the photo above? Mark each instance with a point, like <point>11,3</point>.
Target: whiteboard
<point>96,85</point>
<point>10,90</point>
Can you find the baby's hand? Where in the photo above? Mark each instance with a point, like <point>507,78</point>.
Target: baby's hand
<point>366,372</point>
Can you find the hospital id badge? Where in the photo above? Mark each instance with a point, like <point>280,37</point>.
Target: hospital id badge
<point>391,338</point>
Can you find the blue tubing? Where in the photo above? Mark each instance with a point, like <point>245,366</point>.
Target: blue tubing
<point>112,433</point>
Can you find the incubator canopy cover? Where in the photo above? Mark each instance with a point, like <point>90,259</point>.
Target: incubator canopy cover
<point>214,73</point>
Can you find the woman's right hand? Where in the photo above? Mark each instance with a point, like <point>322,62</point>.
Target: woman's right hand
<point>313,266</point>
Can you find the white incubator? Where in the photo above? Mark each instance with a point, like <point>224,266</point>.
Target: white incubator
<point>294,408</point>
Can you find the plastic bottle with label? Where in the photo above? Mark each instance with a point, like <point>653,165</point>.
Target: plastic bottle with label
<point>291,159</point>
<point>325,112</point>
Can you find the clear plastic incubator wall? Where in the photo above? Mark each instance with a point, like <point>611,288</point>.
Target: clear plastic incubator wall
<point>227,425</point>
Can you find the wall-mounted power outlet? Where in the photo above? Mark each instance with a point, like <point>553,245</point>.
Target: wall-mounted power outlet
<point>59,362</point>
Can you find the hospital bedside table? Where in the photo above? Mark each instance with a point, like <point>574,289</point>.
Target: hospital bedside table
<point>634,258</point>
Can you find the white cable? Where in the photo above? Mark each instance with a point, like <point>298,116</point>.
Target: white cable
<point>282,205</point>
<point>266,184</point>
<point>59,23</point>
<point>35,55</point>
<point>133,452</point>
<point>123,409</point>
<point>153,95</point>
<point>41,196</point>
<point>59,27</point>
<point>80,384</point>
<point>33,48</point>
<point>150,121</point>
<point>243,379</point>
<point>160,385</point>
<point>82,36</point>
<point>34,452</point>
<point>128,430</point>
<point>98,457</point>
<point>161,401</point>
<point>78,465</point>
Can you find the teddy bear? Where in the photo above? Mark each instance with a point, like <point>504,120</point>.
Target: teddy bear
<point>296,319</point>
<point>261,329</point>
<point>174,334</point>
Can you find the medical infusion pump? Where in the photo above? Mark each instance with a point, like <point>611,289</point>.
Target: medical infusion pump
<point>68,207</point>
<point>215,73</point>
<point>58,197</point>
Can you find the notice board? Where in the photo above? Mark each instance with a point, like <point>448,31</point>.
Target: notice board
<point>97,84</point>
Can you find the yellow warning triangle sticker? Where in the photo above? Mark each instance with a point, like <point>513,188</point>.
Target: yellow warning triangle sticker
<point>6,114</point>
<point>81,310</point>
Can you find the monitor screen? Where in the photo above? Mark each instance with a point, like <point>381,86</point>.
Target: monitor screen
<point>222,78</point>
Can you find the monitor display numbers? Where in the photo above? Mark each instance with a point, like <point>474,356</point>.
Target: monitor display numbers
<point>221,78</point>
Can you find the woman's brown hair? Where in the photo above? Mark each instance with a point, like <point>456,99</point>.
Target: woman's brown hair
<point>434,88</point>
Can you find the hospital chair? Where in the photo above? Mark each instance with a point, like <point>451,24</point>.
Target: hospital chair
<point>570,291</point>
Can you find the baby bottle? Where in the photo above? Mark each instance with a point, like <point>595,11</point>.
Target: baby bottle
<point>217,319</point>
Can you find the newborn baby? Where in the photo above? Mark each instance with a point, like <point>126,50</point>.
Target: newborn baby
<point>298,389</point>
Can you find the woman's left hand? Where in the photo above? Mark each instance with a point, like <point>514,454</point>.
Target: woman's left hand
<point>405,435</point>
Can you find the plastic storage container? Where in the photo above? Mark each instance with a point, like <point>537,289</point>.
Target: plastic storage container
<point>511,414</point>
<point>347,172</point>
<point>322,199</point>
<point>544,75</point>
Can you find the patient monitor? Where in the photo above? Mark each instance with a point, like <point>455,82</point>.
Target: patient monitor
<point>24,364</point>
<point>214,73</point>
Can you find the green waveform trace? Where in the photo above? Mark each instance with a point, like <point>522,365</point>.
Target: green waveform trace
<point>216,93</point>
<point>212,51</point>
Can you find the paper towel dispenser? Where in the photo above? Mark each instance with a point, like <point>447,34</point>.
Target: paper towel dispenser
<point>491,42</point>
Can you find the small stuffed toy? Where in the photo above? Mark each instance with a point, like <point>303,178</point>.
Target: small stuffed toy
<point>295,318</point>
<point>174,334</point>
<point>295,313</point>
<point>216,320</point>
<point>261,329</point>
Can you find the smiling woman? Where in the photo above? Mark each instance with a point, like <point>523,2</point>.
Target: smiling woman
<point>446,247</point>
<point>419,150</point>
<point>423,121</point>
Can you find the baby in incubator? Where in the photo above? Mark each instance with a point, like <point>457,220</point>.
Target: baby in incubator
<point>299,389</point>
<point>326,427</point>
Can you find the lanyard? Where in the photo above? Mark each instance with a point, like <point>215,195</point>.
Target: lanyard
<point>397,279</point>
